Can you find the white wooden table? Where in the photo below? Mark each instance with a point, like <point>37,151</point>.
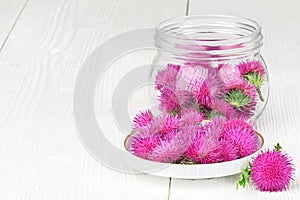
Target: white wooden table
<point>43,44</point>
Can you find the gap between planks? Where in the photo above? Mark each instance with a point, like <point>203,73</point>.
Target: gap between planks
<point>13,26</point>
<point>187,7</point>
<point>169,188</point>
<point>170,179</point>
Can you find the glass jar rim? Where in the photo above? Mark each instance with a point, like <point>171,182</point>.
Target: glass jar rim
<point>189,34</point>
<point>160,27</point>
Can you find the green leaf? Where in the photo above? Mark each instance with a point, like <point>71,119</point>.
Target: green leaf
<point>244,177</point>
<point>277,147</point>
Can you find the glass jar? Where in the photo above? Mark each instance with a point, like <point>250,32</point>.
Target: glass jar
<point>212,64</point>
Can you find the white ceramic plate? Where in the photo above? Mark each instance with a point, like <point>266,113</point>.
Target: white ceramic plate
<point>197,171</point>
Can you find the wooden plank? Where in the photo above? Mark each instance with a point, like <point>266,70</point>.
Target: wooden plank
<point>41,155</point>
<point>279,122</point>
<point>10,11</point>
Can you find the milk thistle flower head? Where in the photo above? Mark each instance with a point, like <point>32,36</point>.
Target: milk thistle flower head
<point>175,67</point>
<point>253,72</point>
<point>143,142</point>
<point>227,150</point>
<point>165,124</point>
<point>221,108</point>
<point>191,117</point>
<point>205,147</point>
<point>142,119</point>
<point>203,150</point>
<point>169,101</point>
<point>230,75</point>
<point>270,171</point>
<point>166,78</point>
<point>242,97</point>
<point>209,90</point>
<point>169,151</point>
<point>242,136</point>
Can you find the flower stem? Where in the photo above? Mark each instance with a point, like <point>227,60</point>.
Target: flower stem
<point>260,94</point>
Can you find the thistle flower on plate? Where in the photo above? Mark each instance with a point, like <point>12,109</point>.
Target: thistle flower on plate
<point>142,119</point>
<point>203,150</point>
<point>269,171</point>
<point>214,128</point>
<point>242,98</point>
<point>165,124</point>
<point>169,151</point>
<point>227,151</point>
<point>253,72</point>
<point>168,101</point>
<point>143,142</point>
<point>191,116</point>
<point>205,147</point>
<point>242,136</point>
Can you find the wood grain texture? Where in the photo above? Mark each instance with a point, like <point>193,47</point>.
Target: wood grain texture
<point>41,155</point>
<point>10,11</point>
<point>280,120</point>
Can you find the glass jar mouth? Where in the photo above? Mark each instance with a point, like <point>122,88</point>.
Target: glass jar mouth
<point>220,35</point>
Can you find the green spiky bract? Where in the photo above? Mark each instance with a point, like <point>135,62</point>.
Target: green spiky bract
<point>255,79</point>
<point>238,99</point>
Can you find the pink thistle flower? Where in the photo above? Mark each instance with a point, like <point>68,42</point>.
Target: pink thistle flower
<point>251,66</point>
<point>242,136</point>
<point>230,75</point>
<point>143,143</point>
<point>191,117</point>
<point>242,97</point>
<point>142,119</point>
<point>214,128</point>
<point>205,147</point>
<point>165,124</point>
<point>243,86</point>
<point>193,150</point>
<point>221,107</point>
<point>253,72</point>
<point>169,151</point>
<point>175,67</point>
<point>228,151</point>
<point>184,97</point>
<point>211,89</point>
<point>169,101</point>
<point>215,84</point>
<point>166,78</point>
<point>203,94</point>
<point>190,76</point>
<point>208,152</point>
<point>168,136</point>
<point>272,171</point>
